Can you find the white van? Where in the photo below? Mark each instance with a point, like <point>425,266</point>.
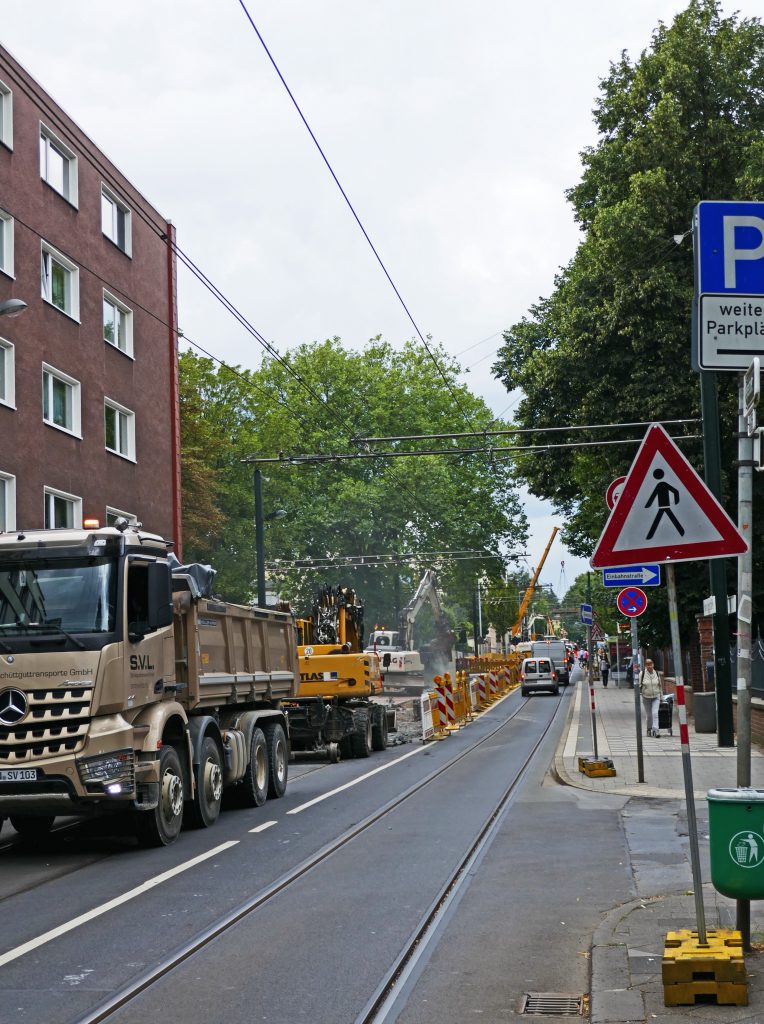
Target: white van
<point>538,674</point>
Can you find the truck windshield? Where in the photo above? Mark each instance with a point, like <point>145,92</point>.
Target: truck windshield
<point>73,595</point>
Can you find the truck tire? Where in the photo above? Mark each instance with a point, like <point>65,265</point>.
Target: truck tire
<point>253,788</point>
<point>203,811</point>
<point>361,738</point>
<point>36,826</point>
<point>278,759</point>
<point>161,826</point>
<point>379,728</point>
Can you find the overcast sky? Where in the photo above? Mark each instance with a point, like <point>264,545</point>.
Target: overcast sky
<point>454,127</point>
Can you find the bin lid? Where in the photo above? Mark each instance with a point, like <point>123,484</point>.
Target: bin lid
<point>743,795</point>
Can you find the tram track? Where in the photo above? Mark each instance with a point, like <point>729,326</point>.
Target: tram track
<point>422,935</point>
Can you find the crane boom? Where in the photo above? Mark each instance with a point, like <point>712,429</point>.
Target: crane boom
<point>528,596</point>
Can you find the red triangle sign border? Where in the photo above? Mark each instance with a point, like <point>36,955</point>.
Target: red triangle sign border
<point>730,542</point>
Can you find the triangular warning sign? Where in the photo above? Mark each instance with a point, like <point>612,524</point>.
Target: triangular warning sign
<point>665,512</point>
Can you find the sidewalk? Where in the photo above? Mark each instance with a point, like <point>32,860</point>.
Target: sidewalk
<point>627,947</point>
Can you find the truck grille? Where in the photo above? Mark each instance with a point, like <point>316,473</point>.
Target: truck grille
<point>56,724</point>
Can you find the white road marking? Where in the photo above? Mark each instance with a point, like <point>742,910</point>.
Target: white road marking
<point>68,926</point>
<point>264,826</point>
<point>361,778</point>
<point>572,740</point>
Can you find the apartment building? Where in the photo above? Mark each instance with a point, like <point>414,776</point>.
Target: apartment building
<point>89,423</point>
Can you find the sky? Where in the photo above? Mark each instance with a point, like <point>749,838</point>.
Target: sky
<point>455,130</point>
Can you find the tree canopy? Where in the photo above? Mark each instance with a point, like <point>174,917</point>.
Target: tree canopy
<point>611,344</point>
<point>317,400</point>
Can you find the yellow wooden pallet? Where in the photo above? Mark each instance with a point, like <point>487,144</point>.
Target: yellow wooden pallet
<point>716,970</point>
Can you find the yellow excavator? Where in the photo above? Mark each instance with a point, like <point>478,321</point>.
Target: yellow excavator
<point>517,628</point>
<point>333,711</point>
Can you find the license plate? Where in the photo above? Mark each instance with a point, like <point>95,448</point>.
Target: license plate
<point>18,775</point>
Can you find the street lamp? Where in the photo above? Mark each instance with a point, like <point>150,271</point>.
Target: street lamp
<point>12,307</point>
<point>260,520</point>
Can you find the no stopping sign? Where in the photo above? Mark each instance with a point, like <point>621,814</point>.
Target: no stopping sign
<point>631,601</point>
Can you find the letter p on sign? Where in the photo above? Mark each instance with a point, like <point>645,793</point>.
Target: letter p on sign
<point>732,254</point>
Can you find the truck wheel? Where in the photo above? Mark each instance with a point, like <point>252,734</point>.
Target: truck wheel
<point>161,826</point>
<point>278,760</point>
<point>379,728</point>
<point>34,827</point>
<point>254,785</point>
<point>205,808</point>
<point>361,737</point>
<point>333,752</point>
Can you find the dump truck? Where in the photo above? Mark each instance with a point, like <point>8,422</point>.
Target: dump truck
<point>334,712</point>
<point>126,687</point>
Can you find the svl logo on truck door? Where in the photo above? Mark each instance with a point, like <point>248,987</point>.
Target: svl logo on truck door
<point>141,663</point>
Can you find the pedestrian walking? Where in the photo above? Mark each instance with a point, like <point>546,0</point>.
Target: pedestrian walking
<point>651,690</point>
<point>604,669</point>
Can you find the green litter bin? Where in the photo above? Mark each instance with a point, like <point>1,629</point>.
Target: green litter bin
<point>736,836</point>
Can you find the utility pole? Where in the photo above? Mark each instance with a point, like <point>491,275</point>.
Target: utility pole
<point>259,542</point>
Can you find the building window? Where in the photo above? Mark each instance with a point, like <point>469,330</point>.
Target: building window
<point>119,424</point>
<point>115,220</point>
<point>117,324</point>
<point>58,165</point>
<point>6,243</point>
<point>60,400</point>
<point>7,373</point>
<point>6,116</point>
<point>60,282</point>
<point>7,502</point>
<point>114,514</point>
<point>62,511</point>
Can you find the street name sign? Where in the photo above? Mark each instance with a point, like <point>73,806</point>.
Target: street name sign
<point>729,284</point>
<point>586,614</point>
<point>666,513</point>
<point>632,602</point>
<point>632,576</point>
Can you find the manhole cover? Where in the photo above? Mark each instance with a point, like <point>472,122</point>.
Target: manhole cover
<point>552,1004</point>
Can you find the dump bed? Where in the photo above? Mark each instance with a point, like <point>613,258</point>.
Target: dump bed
<point>232,654</point>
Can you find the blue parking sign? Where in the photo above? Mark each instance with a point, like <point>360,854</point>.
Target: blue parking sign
<point>729,248</point>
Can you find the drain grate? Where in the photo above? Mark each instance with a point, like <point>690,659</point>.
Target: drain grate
<point>552,1004</point>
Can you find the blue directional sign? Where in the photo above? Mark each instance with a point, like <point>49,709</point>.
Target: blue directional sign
<point>632,576</point>
<point>728,311</point>
<point>586,614</point>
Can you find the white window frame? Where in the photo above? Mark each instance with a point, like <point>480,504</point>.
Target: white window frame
<point>46,249</point>
<point>122,308</point>
<point>76,428</point>
<point>7,252</point>
<point>8,482</point>
<point>8,356</point>
<point>117,513</point>
<point>76,501</point>
<point>70,190</point>
<point>109,403</point>
<point>6,116</point>
<point>106,193</point>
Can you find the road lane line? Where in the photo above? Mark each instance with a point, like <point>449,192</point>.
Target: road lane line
<point>151,883</point>
<point>264,826</point>
<point>354,782</point>
<point>572,741</point>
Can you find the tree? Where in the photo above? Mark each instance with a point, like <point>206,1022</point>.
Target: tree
<point>611,343</point>
<point>316,401</point>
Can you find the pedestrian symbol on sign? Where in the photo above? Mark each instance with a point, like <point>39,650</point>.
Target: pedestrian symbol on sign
<point>663,492</point>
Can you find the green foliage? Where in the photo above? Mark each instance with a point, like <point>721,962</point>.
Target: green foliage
<point>346,508</point>
<point>611,344</point>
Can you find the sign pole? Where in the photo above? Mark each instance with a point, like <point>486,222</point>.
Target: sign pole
<point>744,614</point>
<point>590,666</point>
<point>692,823</point>
<point>618,653</point>
<point>636,670</point>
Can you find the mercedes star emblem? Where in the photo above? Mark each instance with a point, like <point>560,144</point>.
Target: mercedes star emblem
<point>13,706</point>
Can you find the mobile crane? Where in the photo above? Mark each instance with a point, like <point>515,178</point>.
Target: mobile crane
<point>517,628</point>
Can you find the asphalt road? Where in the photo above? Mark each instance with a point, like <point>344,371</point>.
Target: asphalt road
<point>79,920</point>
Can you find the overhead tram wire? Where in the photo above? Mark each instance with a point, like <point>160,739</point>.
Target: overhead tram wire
<point>522,430</point>
<point>467,417</point>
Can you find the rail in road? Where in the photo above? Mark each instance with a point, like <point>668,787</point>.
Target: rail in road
<point>471,753</point>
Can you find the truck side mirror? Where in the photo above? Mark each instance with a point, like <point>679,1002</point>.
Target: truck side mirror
<point>159,596</point>
<point>386,659</point>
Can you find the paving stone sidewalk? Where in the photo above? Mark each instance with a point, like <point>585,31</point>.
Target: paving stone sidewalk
<point>628,945</point>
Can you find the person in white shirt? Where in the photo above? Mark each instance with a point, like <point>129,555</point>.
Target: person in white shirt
<point>651,690</point>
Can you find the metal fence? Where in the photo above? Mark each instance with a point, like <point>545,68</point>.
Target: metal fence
<point>757,667</point>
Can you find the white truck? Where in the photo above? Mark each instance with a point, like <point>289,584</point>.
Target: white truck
<point>125,687</point>
<point>553,647</point>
